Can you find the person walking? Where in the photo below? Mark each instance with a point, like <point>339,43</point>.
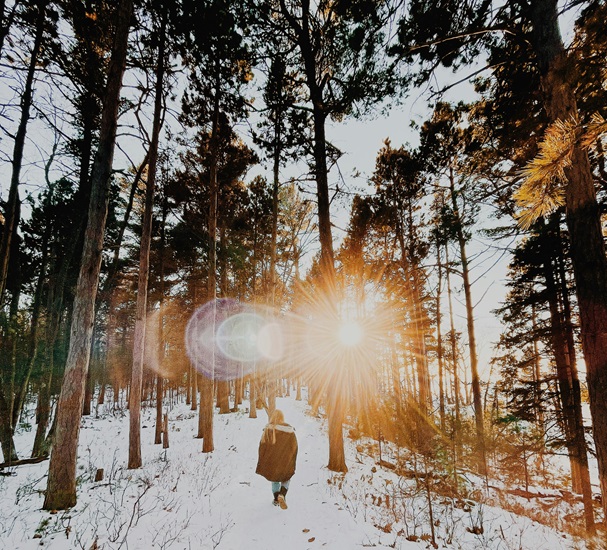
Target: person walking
<point>277,456</point>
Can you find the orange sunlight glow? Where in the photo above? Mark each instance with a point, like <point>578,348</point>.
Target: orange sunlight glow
<point>340,348</point>
<point>350,333</point>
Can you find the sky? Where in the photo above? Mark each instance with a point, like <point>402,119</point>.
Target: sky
<point>182,499</point>
<point>360,141</point>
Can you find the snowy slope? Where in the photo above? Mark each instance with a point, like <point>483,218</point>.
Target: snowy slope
<point>183,499</point>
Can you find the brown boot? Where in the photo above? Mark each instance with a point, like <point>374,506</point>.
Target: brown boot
<point>281,498</point>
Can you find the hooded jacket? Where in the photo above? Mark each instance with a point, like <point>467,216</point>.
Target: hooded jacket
<point>276,461</point>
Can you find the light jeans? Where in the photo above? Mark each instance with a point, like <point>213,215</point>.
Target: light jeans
<point>276,485</point>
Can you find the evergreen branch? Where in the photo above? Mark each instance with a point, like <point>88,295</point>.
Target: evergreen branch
<point>542,190</point>
<point>597,127</point>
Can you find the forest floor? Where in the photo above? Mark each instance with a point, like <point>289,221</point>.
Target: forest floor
<point>183,499</point>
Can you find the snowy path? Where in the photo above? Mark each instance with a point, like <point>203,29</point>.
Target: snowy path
<point>312,520</point>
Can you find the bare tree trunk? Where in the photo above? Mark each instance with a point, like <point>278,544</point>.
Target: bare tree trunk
<point>584,224</point>
<point>223,396</point>
<point>476,387</point>
<point>195,388</point>
<point>160,343</point>
<point>571,409</point>
<point>6,431</point>
<point>144,268</point>
<point>205,420</point>
<point>275,188</point>
<point>335,414</point>
<point>43,407</point>
<point>301,27</point>
<point>439,340</point>
<point>61,487</point>
<point>159,420</point>
<point>453,345</point>
<point>253,396</point>
<point>11,212</point>
<point>206,414</point>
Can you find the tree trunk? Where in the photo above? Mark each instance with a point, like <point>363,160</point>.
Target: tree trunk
<point>439,340</point>
<point>476,386</point>
<point>335,413</point>
<point>453,345</point>
<point>572,411</point>
<point>43,407</point>
<point>88,389</point>
<point>139,344</point>
<point>205,418</point>
<point>6,431</point>
<point>206,414</point>
<point>11,211</point>
<point>301,26</point>
<point>160,343</point>
<point>275,189</point>
<point>583,221</point>
<point>223,396</point>
<point>195,387</point>
<point>253,396</point>
<point>337,461</point>
<point>61,487</point>
<point>159,419</point>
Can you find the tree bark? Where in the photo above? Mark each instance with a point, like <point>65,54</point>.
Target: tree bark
<point>439,339</point>
<point>139,344</point>
<point>476,386</point>
<point>61,487</point>
<point>275,189</point>
<point>335,414</point>
<point>453,345</point>
<point>206,414</point>
<point>253,395</point>
<point>160,343</point>
<point>337,461</point>
<point>583,222</point>
<point>205,418</point>
<point>11,211</point>
<point>6,431</point>
<point>571,407</point>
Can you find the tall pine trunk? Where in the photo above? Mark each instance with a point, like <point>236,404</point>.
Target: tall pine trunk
<point>476,386</point>
<point>566,377</point>
<point>61,487</point>
<point>11,212</point>
<point>135,460</point>
<point>160,343</point>
<point>583,221</point>
<point>439,339</point>
<point>205,414</point>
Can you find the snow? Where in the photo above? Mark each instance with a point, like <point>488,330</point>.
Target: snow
<point>184,499</point>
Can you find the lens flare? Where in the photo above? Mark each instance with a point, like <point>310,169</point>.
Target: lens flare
<point>226,339</point>
<point>237,337</point>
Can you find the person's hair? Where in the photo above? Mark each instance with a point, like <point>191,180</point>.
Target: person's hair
<point>277,417</point>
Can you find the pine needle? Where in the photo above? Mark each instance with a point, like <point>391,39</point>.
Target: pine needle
<point>542,190</point>
<point>596,129</point>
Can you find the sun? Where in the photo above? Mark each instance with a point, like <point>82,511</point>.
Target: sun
<point>350,333</point>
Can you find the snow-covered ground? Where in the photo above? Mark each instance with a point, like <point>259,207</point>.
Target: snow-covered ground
<point>183,499</point>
